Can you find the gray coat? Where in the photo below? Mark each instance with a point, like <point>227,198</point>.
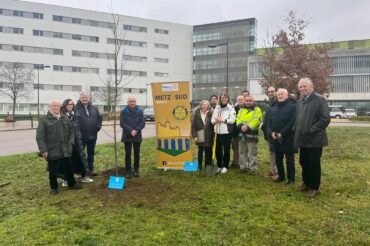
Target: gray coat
<point>313,117</point>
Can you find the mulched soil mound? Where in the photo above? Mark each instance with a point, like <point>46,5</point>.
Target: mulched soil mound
<point>142,191</point>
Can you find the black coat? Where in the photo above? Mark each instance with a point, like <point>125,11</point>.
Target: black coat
<point>281,120</point>
<point>235,133</point>
<point>132,120</point>
<point>197,125</point>
<point>313,116</point>
<point>89,124</point>
<point>270,103</point>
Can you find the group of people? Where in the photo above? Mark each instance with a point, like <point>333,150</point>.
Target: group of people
<point>288,126</point>
<point>67,130</point>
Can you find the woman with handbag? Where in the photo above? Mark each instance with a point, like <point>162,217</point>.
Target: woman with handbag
<point>223,117</point>
<point>202,132</point>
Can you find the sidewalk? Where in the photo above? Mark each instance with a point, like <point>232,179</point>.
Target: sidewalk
<point>26,125</point>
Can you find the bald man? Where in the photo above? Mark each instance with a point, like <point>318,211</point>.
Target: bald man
<point>132,123</point>
<point>281,135</point>
<point>55,138</point>
<point>313,117</point>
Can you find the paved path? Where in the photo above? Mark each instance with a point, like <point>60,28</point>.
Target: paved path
<point>23,141</point>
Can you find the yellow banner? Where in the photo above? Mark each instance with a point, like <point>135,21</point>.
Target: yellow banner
<point>171,102</point>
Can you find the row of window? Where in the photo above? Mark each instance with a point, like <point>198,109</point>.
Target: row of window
<point>31,49</point>
<point>13,30</point>
<point>135,43</point>
<point>124,90</point>
<point>345,84</point>
<point>48,87</point>
<point>19,13</point>
<point>61,35</point>
<point>351,64</point>
<point>104,24</point>
<point>111,56</point>
<point>77,69</point>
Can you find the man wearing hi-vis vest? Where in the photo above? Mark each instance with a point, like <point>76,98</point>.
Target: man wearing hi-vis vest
<point>248,121</point>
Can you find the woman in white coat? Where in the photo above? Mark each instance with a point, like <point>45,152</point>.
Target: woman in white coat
<point>223,118</point>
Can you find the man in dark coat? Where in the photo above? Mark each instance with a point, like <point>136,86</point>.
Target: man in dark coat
<point>55,138</point>
<point>132,123</point>
<point>313,117</point>
<point>281,135</point>
<point>235,134</point>
<point>90,123</point>
<point>271,102</point>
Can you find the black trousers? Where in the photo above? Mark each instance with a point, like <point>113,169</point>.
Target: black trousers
<point>310,160</point>
<point>223,150</point>
<point>128,150</point>
<point>67,170</point>
<point>90,145</point>
<point>78,165</point>
<point>207,155</point>
<point>290,167</point>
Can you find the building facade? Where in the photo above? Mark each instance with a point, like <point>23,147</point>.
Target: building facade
<point>78,47</point>
<point>350,81</point>
<point>220,62</point>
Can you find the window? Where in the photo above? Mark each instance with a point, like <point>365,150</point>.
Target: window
<point>94,23</point>
<point>17,13</point>
<point>134,28</point>
<point>157,74</point>
<point>76,69</point>
<point>57,35</point>
<point>1,11</point>
<point>38,33</point>
<point>17,47</point>
<point>76,53</point>
<point>161,31</point>
<point>58,87</point>
<point>57,18</point>
<point>162,60</point>
<point>37,16</point>
<point>18,30</point>
<point>40,86</point>
<point>1,29</point>
<point>76,88</point>
<point>57,51</point>
<point>76,37</point>
<point>76,20</point>
<point>57,68</point>
<point>38,66</point>
<point>161,46</point>
<point>94,39</point>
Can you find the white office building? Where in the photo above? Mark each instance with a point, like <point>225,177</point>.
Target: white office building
<point>78,45</point>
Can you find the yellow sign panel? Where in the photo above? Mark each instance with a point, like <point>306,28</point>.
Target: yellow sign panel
<point>171,102</point>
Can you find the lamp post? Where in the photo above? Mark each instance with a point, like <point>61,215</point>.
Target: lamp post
<point>227,60</point>
<point>146,96</point>
<point>39,66</point>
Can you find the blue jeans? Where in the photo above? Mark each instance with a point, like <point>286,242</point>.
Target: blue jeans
<point>90,144</point>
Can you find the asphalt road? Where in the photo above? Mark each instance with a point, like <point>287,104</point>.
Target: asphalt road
<point>23,141</point>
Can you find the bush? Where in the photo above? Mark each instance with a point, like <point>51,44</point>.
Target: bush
<point>8,118</point>
<point>360,118</point>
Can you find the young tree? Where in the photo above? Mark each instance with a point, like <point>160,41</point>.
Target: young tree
<point>288,59</point>
<point>106,94</point>
<point>16,83</point>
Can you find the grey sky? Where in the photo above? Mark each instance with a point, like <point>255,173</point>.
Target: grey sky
<point>331,20</point>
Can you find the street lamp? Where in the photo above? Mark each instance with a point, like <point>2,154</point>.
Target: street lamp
<point>227,60</point>
<point>39,66</point>
<point>146,96</point>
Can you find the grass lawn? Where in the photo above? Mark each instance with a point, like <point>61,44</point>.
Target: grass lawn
<point>177,208</point>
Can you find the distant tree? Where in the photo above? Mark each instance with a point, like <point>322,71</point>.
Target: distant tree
<point>287,59</point>
<point>16,82</point>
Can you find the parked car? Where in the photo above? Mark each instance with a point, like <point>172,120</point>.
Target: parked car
<point>350,112</point>
<point>337,111</point>
<point>149,114</point>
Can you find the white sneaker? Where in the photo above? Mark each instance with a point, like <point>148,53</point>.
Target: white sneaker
<point>224,170</point>
<point>219,170</point>
<point>64,183</point>
<point>86,180</point>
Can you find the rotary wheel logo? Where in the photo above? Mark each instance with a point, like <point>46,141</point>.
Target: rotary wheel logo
<point>180,112</point>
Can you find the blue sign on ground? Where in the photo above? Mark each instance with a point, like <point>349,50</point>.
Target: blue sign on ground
<point>116,183</point>
<point>191,166</point>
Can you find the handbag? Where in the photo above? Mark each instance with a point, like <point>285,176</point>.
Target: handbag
<point>200,136</point>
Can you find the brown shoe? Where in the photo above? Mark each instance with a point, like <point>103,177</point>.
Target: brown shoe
<point>312,193</point>
<point>269,174</point>
<point>302,187</point>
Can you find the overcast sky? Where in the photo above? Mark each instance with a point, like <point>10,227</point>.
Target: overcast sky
<point>331,20</point>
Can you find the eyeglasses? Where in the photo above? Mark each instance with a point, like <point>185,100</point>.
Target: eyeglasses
<point>70,104</point>
<point>270,91</point>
